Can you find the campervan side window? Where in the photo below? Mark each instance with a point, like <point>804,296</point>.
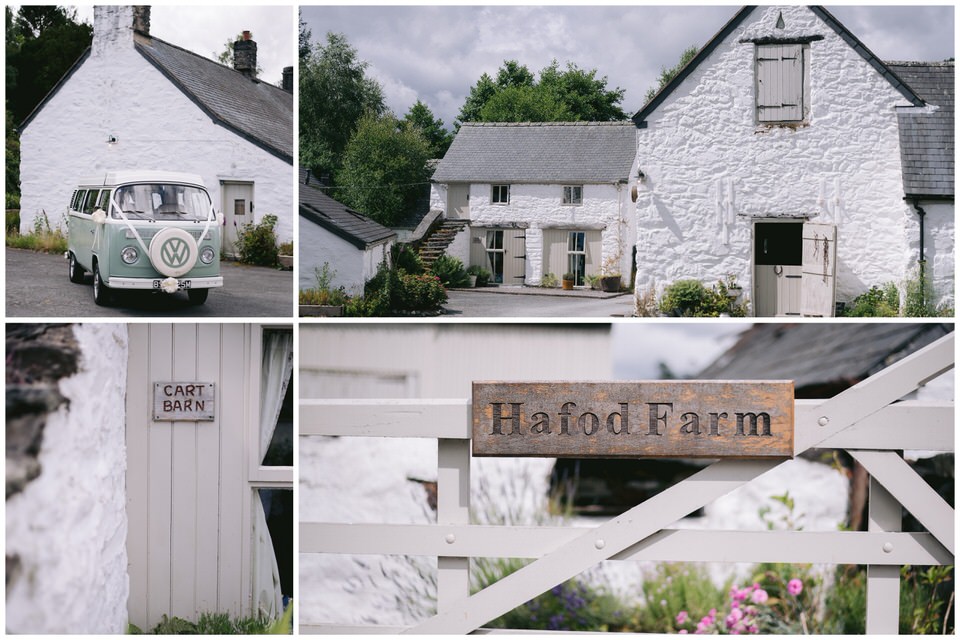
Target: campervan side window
<point>90,203</point>
<point>77,203</point>
<point>104,202</point>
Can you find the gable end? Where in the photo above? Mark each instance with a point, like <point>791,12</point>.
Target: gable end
<point>62,81</point>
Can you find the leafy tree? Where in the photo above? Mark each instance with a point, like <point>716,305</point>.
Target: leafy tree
<point>306,35</point>
<point>384,169</point>
<point>560,95</point>
<point>335,94</point>
<point>420,117</point>
<point>666,75</point>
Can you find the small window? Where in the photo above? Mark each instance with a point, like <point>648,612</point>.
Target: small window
<point>501,194</point>
<point>240,207</point>
<point>573,194</point>
<point>104,201</point>
<point>90,203</point>
<point>77,203</point>
<point>782,94</point>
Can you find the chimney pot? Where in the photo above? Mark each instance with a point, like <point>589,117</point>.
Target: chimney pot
<point>287,84</point>
<point>245,56</point>
<point>141,19</point>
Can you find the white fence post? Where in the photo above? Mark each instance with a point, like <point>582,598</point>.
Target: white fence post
<point>453,508</point>
<point>883,582</point>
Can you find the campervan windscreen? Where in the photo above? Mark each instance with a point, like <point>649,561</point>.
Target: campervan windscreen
<point>162,202</point>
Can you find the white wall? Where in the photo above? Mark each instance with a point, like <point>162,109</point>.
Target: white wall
<point>351,267</point>
<point>69,525</point>
<point>938,247</point>
<point>704,134</point>
<point>117,92</point>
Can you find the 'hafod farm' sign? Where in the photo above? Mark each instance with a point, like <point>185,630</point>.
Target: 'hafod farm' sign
<point>682,419</point>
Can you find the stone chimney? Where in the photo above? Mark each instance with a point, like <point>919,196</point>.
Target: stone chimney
<point>141,20</point>
<point>245,56</point>
<point>287,79</point>
<point>112,28</point>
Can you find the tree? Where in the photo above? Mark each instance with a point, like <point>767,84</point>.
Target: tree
<point>420,117</point>
<point>559,95</point>
<point>666,75</point>
<point>335,94</point>
<point>384,169</point>
<point>306,35</point>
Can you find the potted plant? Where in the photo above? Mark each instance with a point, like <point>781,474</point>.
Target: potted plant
<point>568,281</point>
<point>733,289</point>
<point>593,281</point>
<point>610,276</point>
<point>285,255</point>
<point>548,281</point>
<point>481,276</point>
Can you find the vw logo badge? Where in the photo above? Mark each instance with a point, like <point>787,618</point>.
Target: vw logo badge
<point>174,253</point>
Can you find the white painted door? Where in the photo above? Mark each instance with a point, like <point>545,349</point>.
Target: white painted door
<point>237,209</point>
<point>819,270</point>
<point>777,272</point>
<point>458,201</point>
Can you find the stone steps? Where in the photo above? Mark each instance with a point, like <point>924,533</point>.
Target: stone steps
<point>436,243</point>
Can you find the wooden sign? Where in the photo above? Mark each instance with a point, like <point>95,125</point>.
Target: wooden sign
<point>675,418</point>
<point>184,401</point>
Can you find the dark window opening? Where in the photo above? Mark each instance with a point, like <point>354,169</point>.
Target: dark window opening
<point>778,243</point>
<point>278,509</point>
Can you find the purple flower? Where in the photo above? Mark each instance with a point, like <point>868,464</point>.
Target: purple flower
<point>794,587</point>
<point>759,596</point>
<point>681,617</point>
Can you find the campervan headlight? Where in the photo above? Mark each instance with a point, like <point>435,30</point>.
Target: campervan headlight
<point>207,254</point>
<point>129,255</point>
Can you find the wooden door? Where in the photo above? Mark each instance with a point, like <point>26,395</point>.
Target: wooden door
<point>500,251</point>
<point>237,211</point>
<point>458,201</point>
<point>819,270</point>
<point>777,271</point>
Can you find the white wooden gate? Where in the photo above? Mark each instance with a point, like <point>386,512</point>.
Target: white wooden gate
<point>868,420</point>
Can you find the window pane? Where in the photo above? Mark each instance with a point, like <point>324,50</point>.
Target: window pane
<point>280,451</point>
<point>278,510</point>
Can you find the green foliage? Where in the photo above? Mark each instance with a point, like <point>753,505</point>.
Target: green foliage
<point>450,271</point>
<point>324,293</point>
<point>12,217</point>
<point>559,96</point>
<point>666,75</point>
<point>845,606</point>
<point>421,119</point>
<point>688,298</point>
<point>549,280</point>
<point>393,291</point>
<point>335,94</point>
<point>675,587</point>
<point>286,248</point>
<point>43,238</point>
<point>571,606</point>
<point>882,301</point>
<point>593,280</point>
<point>384,169</point>
<point>12,162</point>
<point>919,298</point>
<point>219,624</point>
<point>483,276</point>
<point>257,243</point>
<point>404,257</point>
<point>305,36</point>
<point>924,595</point>
<point>225,57</point>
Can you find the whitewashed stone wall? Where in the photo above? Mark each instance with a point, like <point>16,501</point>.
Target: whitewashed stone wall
<point>69,525</point>
<point>704,136</point>
<point>539,206</point>
<point>117,92</point>
<point>352,266</point>
<point>938,246</point>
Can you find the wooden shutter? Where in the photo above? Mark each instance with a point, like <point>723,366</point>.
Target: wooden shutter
<point>780,83</point>
<point>819,269</point>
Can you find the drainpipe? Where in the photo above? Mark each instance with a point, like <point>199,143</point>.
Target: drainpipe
<point>922,259</point>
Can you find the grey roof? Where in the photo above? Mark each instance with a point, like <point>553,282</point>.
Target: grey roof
<point>817,354</point>
<point>258,111</point>
<point>927,139</point>
<point>336,217</point>
<point>540,152</point>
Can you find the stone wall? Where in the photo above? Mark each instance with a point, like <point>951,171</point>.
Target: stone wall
<point>702,144</point>
<point>66,522</point>
<point>116,92</point>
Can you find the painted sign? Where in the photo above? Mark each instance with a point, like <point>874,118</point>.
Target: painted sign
<point>184,401</point>
<point>675,418</point>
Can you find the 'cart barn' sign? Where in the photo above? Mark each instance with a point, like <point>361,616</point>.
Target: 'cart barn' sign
<point>184,401</point>
<point>689,419</point>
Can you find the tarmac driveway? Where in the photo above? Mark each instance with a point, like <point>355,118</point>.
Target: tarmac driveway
<point>531,302</point>
<point>37,287</point>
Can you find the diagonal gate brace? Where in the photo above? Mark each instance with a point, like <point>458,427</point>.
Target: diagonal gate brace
<point>596,545</point>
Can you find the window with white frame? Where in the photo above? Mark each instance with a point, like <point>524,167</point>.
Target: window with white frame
<point>782,79</point>
<point>573,194</point>
<point>500,194</point>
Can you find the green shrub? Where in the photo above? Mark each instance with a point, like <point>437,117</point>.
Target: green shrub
<point>688,298</point>
<point>219,624</point>
<point>324,293</point>
<point>285,248</point>
<point>12,200</point>
<point>43,237</point>
<point>672,588</point>
<point>570,606</point>
<point>483,276</point>
<point>450,271</point>
<point>257,243</point>
<point>396,292</point>
<point>919,298</point>
<point>549,280</point>
<point>882,301</point>
<point>404,257</point>
<point>13,221</point>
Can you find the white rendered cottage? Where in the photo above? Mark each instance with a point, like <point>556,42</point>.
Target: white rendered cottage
<point>352,245</point>
<point>540,198</point>
<point>786,155</point>
<point>133,101</point>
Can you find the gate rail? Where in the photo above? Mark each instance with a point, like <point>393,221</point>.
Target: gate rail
<point>867,420</point>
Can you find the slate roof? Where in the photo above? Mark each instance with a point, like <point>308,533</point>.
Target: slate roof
<point>820,354</point>
<point>927,139</point>
<point>321,209</point>
<point>255,110</point>
<point>640,117</point>
<point>540,153</point>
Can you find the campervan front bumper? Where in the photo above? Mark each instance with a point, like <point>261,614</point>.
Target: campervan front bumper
<point>157,283</point>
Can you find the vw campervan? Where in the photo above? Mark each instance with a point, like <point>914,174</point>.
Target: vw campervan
<point>144,230</point>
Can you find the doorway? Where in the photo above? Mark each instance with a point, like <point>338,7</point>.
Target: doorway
<point>778,268</point>
<point>458,201</point>
<point>502,252</point>
<point>237,207</point>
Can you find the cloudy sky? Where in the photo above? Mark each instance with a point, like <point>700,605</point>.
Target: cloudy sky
<point>684,346</point>
<point>205,29</point>
<point>436,53</point>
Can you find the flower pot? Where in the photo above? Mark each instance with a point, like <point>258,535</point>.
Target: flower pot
<point>610,284</point>
<point>567,285</point>
<point>323,310</point>
<point>473,280</point>
<point>285,261</point>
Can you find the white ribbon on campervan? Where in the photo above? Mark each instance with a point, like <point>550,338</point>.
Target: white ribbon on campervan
<point>211,216</point>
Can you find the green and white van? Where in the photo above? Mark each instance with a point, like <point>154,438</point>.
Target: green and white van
<point>144,230</point>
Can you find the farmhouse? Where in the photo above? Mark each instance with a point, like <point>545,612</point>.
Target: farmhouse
<point>787,156</point>
<point>126,500</point>
<point>540,198</point>
<point>133,101</point>
<point>349,243</point>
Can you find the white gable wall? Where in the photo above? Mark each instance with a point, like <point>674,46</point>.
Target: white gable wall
<point>117,92</point>
<point>351,267</point>
<point>704,136</point>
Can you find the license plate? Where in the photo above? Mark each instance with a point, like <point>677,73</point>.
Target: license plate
<point>181,284</point>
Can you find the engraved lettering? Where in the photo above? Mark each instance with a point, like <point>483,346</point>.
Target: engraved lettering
<point>594,423</point>
<point>752,419</point>
<point>656,417</point>
<point>692,424</point>
<point>565,417</point>
<point>542,424</point>
<point>624,420</point>
<point>499,418</point>
<point>715,422</point>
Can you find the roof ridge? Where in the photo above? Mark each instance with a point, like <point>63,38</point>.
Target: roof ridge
<point>919,63</point>
<point>575,123</point>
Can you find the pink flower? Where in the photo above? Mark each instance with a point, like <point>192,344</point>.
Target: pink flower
<point>681,617</point>
<point>759,596</point>
<point>712,614</point>
<point>794,587</point>
<point>682,631</point>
